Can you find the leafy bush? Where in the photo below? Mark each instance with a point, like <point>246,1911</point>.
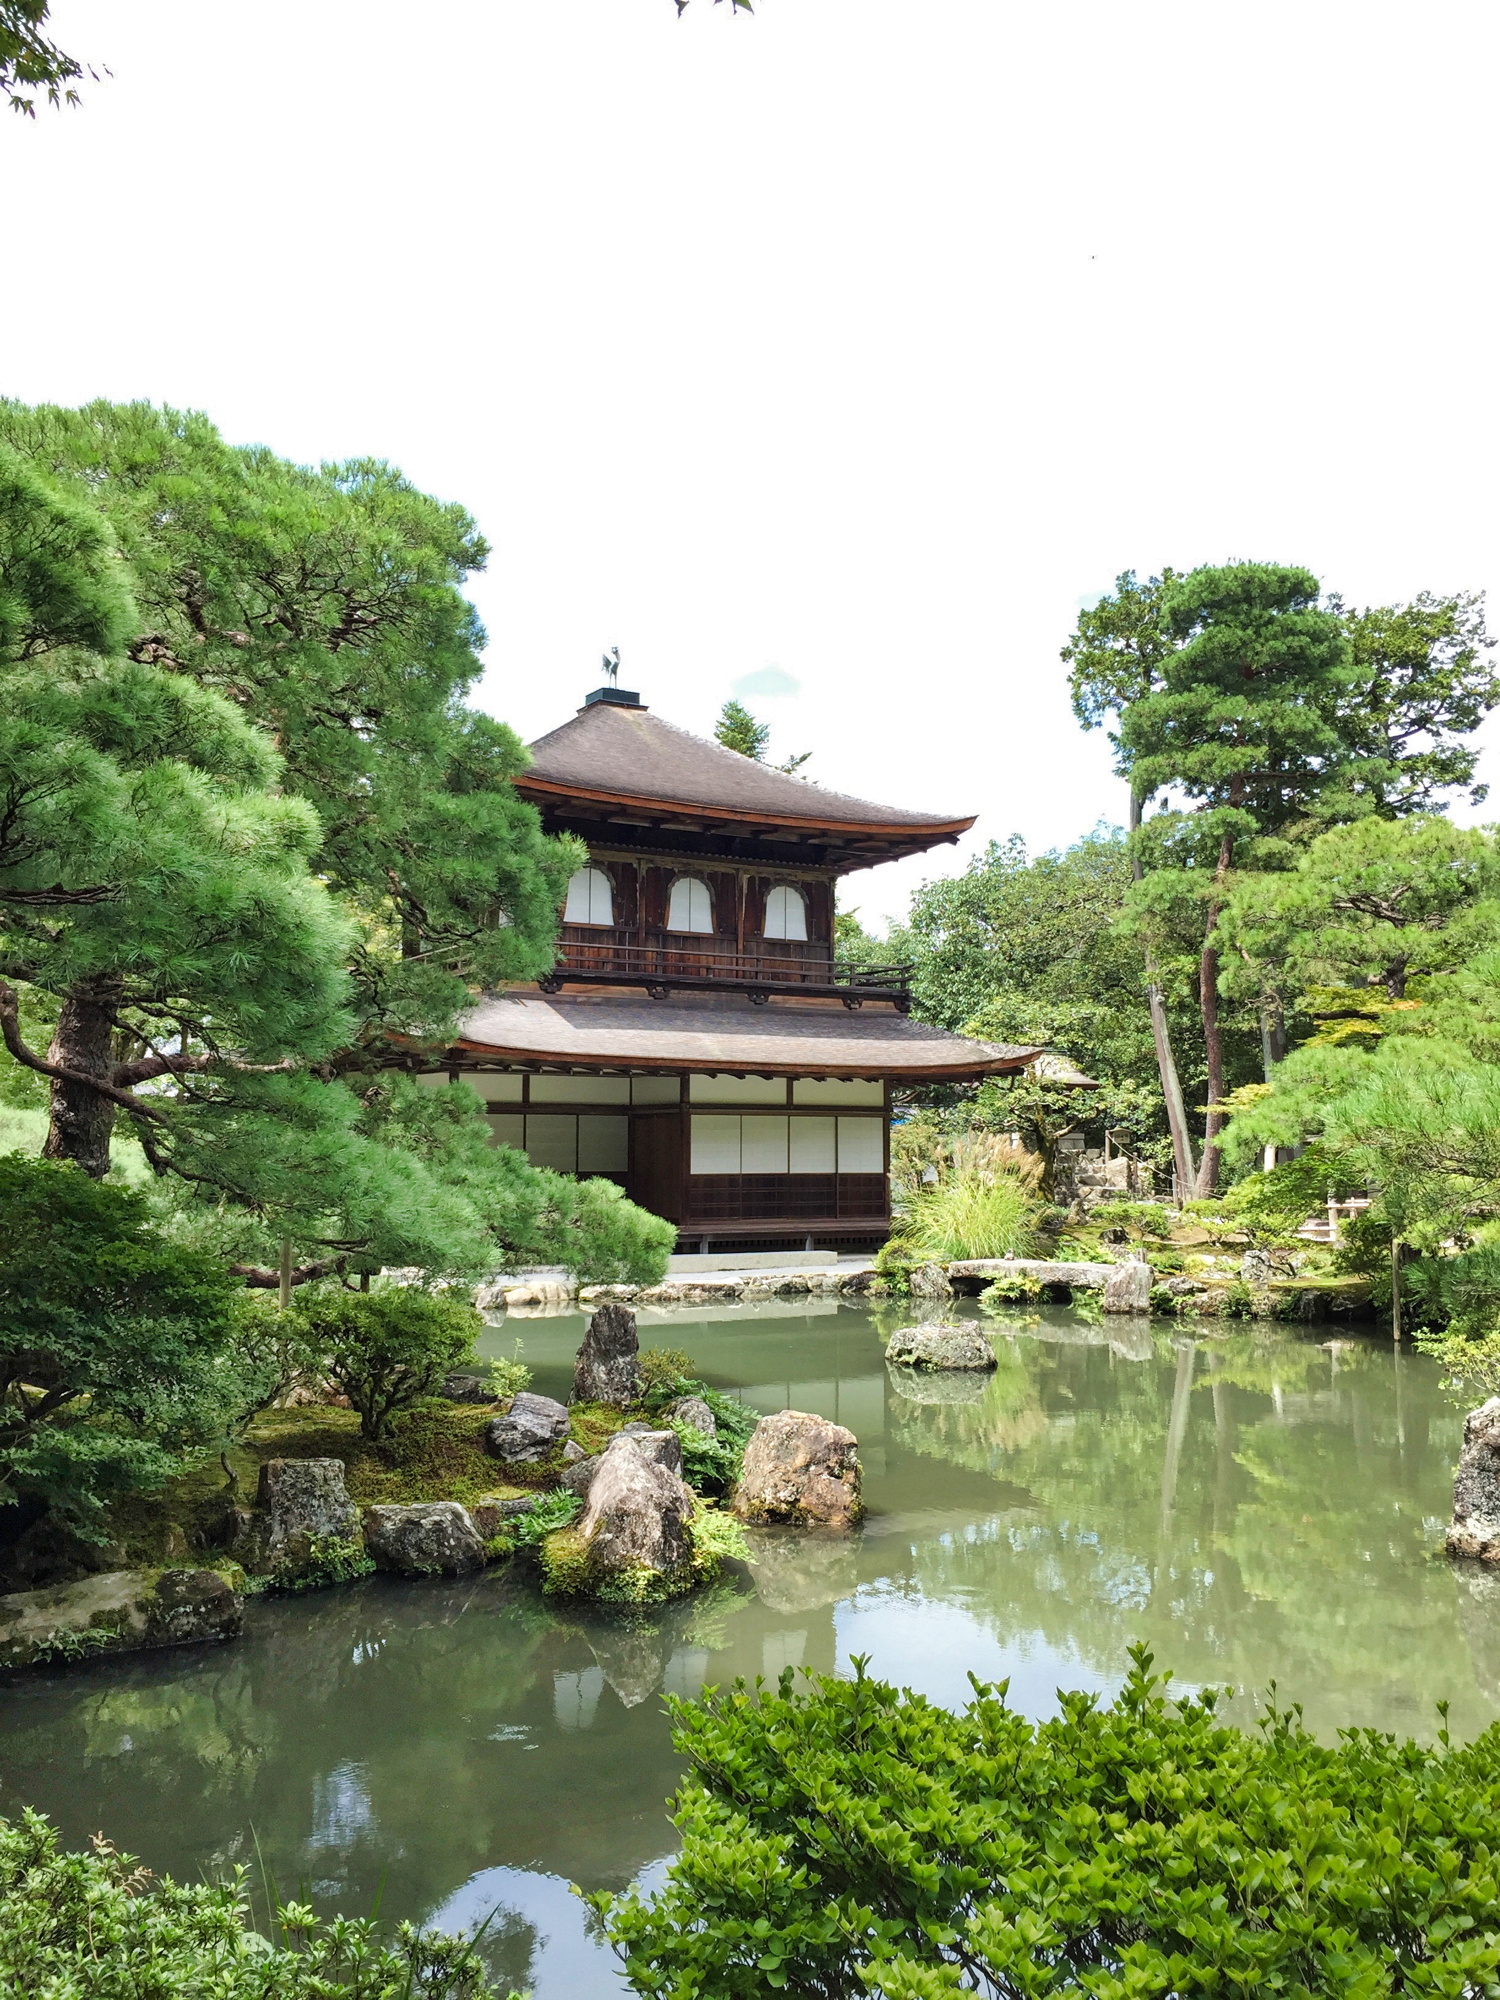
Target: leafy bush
<point>1018,1288</point>
<point>119,1350</point>
<point>972,1214</point>
<point>662,1366</point>
<point>1141,1218</point>
<point>505,1377</point>
<point>387,1350</point>
<point>855,1839</point>
<point>97,1926</point>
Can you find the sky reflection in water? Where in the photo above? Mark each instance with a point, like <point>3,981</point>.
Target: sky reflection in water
<point>1257,1506</point>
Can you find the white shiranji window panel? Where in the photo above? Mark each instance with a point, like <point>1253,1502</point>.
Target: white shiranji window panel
<point>690,907</point>
<point>786,915</point>
<point>724,1143</point>
<point>591,900</point>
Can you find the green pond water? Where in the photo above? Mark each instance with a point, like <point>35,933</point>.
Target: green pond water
<point>1258,1506</point>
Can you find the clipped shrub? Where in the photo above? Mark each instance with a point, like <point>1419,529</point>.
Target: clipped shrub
<point>387,1350</point>
<point>95,1926</point>
<point>856,1839</point>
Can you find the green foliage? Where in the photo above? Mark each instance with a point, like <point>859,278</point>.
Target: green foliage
<point>709,1464</point>
<point>1278,1202</point>
<point>1369,905</point>
<point>505,1378</point>
<point>737,729</point>
<point>98,1925</point>
<point>971,1214</point>
<point>853,1838</point>
<point>1012,1288</point>
<point>121,1353</point>
<point>1422,676</point>
<point>329,1559</point>
<point>387,1350</point>
<point>28,58</point>
<point>717,1538</point>
<point>662,1368</point>
<point>546,1514</point>
<point>1141,1218</point>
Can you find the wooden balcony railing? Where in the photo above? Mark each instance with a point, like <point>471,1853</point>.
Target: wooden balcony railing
<point>678,960</point>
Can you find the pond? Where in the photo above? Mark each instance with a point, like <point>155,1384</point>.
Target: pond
<point>1258,1505</point>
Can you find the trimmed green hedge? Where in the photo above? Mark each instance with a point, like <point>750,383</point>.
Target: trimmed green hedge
<point>855,1839</point>
<point>98,1927</point>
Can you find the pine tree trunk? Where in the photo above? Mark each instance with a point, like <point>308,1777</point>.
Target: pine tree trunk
<point>1208,1007</point>
<point>82,1119</point>
<point>1161,1035</point>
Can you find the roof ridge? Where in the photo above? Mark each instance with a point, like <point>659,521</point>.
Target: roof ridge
<point>814,798</point>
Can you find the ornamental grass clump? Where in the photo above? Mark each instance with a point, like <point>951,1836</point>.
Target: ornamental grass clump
<point>976,1212</point>
<point>853,1838</point>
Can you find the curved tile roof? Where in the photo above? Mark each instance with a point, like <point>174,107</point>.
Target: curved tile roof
<point>628,753</point>
<point>692,1031</point>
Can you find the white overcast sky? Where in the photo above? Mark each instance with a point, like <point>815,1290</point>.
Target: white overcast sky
<point>862,339</point>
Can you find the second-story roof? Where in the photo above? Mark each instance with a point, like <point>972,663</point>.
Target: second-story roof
<point>612,760</point>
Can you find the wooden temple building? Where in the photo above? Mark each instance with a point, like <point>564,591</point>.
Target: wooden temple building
<point>697,1040</point>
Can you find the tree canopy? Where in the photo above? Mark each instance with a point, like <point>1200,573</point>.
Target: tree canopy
<point>255,849</point>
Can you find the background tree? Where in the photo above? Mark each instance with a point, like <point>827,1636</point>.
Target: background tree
<point>737,729</point>
<point>1115,658</point>
<point>1243,725</point>
<point>294,689</point>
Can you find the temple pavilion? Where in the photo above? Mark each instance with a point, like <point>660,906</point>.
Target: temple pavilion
<point>697,1040</point>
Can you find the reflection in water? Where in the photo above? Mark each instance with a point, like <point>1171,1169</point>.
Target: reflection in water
<point>1255,1505</point>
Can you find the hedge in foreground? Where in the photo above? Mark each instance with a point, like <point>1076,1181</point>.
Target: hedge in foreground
<point>98,1927</point>
<point>855,1839</point>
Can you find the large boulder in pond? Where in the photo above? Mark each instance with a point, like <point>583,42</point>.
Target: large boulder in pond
<point>637,1517</point>
<point>424,1538</point>
<point>531,1428</point>
<point>800,1469</point>
<point>934,1345</point>
<point>1127,1289</point>
<point>120,1611</point>
<point>298,1501</point>
<point>1476,1487</point>
<point>608,1368</point>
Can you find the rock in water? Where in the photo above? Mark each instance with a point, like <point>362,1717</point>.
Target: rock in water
<point>299,1501</point>
<point>938,1346</point>
<point>1476,1487</point>
<point>531,1428</point>
<point>608,1369</point>
<point>801,1469</point>
<point>118,1612</point>
<point>1127,1289</point>
<point>637,1516</point>
<point>693,1411</point>
<point>929,1281</point>
<point>427,1538</point>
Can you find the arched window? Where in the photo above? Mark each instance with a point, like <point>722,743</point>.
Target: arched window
<point>690,907</point>
<point>786,914</point>
<point>590,898</point>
